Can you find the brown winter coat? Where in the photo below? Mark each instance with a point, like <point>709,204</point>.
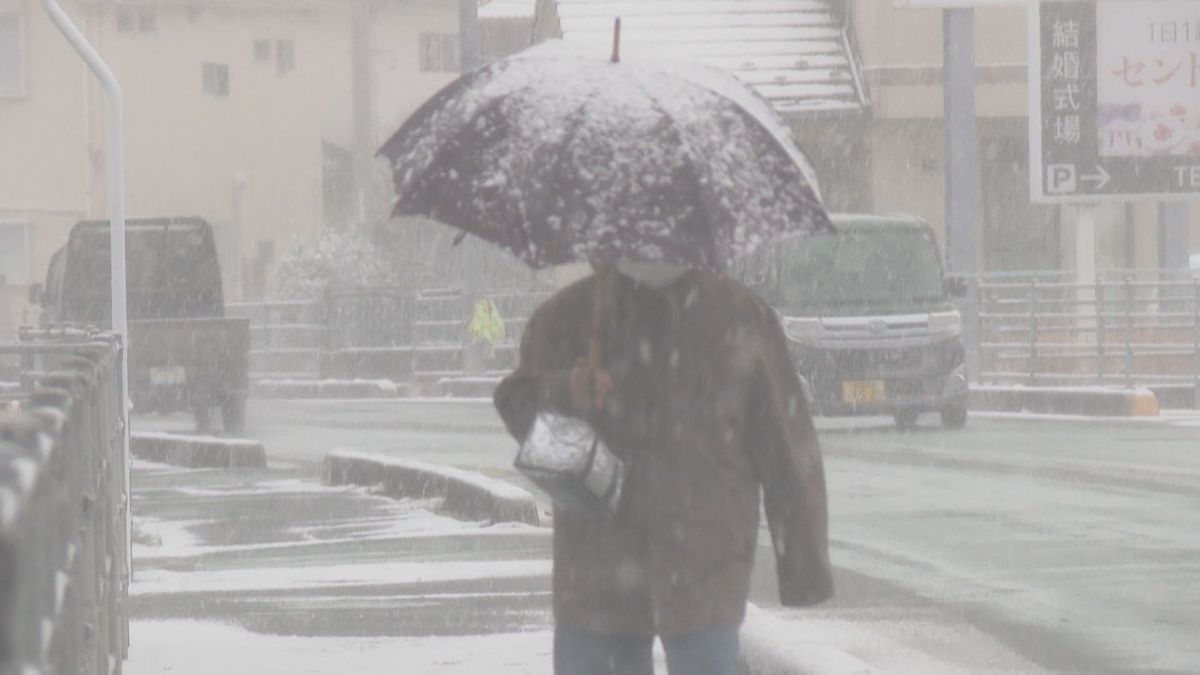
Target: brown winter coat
<point>705,408</point>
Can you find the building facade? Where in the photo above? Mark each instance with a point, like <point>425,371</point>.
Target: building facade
<point>244,112</point>
<point>860,82</point>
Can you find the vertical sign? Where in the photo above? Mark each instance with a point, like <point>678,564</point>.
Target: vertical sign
<point>1114,99</point>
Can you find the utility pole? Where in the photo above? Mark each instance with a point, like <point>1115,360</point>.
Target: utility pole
<point>116,225</point>
<point>363,151</point>
<point>469,59</point>
<point>962,166</point>
<point>468,35</point>
<point>1174,221</point>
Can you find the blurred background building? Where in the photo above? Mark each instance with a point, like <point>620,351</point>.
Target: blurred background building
<point>263,115</point>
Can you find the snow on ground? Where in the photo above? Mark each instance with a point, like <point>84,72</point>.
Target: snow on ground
<point>158,468</point>
<point>1064,389</point>
<point>494,486</point>
<point>204,648</point>
<point>175,544</point>
<point>196,438</point>
<point>286,486</point>
<point>161,582</point>
<point>153,537</point>
<point>156,539</point>
<point>1175,418</point>
<point>808,641</point>
<point>386,385</point>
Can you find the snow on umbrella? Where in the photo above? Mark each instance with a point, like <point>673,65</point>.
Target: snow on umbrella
<point>561,157</point>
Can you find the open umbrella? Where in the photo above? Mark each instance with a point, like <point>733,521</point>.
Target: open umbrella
<point>560,157</point>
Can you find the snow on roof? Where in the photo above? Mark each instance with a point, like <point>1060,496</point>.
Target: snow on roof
<point>507,9</point>
<point>793,52</point>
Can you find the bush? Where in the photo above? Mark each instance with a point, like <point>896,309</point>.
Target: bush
<point>339,258</point>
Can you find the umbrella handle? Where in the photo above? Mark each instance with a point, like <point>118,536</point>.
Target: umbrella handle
<point>596,337</point>
<point>616,55</point>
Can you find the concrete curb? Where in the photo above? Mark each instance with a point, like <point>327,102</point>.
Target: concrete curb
<point>1176,396</point>
<point>196,452</point>
<point>464,494</point>
<point>348,389</point>
<point>468,387</point>
<point>1089,401</point>
<point>773,646</point>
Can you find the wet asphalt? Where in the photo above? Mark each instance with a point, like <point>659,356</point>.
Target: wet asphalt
<point>1013,545</point>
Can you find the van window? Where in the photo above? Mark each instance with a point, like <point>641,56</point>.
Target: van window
<point>171,272</point>
<point>860,267</point>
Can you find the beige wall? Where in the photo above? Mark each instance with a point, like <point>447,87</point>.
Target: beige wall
<point>907,157</point>
<point>43,168</point>
<point>250,163</point>
<point>400,86</point>
<point>904,74</point>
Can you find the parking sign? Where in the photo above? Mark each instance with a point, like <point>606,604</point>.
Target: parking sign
<point>1114,99</point>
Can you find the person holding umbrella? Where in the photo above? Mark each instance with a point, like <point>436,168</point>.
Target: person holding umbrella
<point>660,176</point>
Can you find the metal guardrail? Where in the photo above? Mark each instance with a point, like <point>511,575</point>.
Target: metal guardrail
<point>64,555</point>
<point>1103,275</point>
<point>431,324</point>
<point>1135,331</point>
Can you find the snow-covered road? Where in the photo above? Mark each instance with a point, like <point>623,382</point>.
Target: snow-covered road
<point>1016,544</point>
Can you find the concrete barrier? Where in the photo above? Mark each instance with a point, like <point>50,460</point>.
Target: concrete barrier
<point>468,387</point>
<point>1177,396</point>
<point>463,494</point>
<point>1087,401</point>
<point>198,452</point>
<point>63,508</point>
<point>349,389</point>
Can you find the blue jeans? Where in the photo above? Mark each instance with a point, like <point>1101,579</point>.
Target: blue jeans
<point>712,651</point>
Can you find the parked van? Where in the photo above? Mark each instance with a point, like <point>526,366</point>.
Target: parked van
<point>184,352</point>
<point>869,318</point>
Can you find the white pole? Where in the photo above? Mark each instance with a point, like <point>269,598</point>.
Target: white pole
<point>116,218</point>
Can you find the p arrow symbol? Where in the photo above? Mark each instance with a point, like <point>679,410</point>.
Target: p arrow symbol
<point>1100,178</point>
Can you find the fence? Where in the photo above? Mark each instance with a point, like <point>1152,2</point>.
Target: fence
<point>1140,330</point>
<point>378,332</point>
<point>64,555</point>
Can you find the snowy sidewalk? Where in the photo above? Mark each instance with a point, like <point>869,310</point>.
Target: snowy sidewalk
<point>268,571</point>
<point>271,572</point>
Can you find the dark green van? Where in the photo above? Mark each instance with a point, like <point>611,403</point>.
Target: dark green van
<point>869,318</point>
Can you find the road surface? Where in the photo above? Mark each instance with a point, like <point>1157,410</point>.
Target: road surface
<point>1016,543</point>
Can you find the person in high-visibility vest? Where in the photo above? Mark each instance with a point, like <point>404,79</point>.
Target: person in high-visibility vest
<point>486,327</point>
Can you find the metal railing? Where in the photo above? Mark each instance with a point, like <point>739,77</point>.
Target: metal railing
<point>1140,330</point>
<point>64,555</point>
<point>429,323</point>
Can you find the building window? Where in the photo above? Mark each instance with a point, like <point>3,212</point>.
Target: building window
<point>439,53</point>
<point>262,51</point>
<point>126,20</point>
<point>285,56</point>
<point>14,254</point>
<point>215,79</point>
<point>12,55</point>
<point>147,21</point>
<point>136,19</point>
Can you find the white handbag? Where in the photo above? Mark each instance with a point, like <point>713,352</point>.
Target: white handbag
<point>564,456</point>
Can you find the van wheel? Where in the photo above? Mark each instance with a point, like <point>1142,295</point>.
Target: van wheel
<point>954,415</point>
<point>906,418</point>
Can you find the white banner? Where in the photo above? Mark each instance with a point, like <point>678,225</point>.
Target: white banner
<point>1148,78</point>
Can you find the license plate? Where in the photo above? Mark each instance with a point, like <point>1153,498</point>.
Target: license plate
<point>863,391</point>
<point>168,376</point>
